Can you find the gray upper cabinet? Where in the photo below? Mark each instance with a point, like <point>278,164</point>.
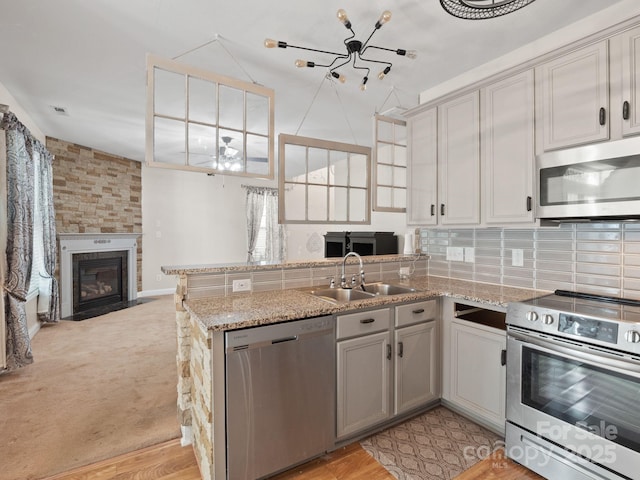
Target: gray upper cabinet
<point>573,92</point>
<point>422,169</point>
<point>459,160</point>
<point>507,109</point>
<point>630,69</point>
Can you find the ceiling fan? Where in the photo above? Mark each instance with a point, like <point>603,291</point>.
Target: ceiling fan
<point>228,158</point>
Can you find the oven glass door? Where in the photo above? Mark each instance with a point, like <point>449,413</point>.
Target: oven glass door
<point>602,401</point>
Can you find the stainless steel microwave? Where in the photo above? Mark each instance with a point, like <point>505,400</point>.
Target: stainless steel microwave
<point>594,182</point>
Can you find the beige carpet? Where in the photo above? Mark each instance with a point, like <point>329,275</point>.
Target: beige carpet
<point>97,388</point>
<point>438,445</point>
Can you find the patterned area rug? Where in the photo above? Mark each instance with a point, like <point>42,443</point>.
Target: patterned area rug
<point>437,445</point>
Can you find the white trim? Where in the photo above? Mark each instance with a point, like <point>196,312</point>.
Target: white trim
<point>187,435</point>
<point>71,243</point>
<point>157,293</point>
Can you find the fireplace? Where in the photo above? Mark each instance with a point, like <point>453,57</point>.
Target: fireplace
<point>99,280</point>
<point>98,273</point>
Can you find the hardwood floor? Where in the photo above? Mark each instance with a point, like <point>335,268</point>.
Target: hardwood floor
<point>170,461</point>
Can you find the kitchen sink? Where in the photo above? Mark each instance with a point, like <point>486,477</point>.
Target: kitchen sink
<point>341,295</point>
<point>387,289</point>
<point>371,290</point>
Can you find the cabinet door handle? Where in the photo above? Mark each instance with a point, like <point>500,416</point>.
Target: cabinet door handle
<point>388,351</point>
<point>625,110</point>
<point>418,311</point>
<point>400,349</point>
<point>529,202</point>
<point>602,116</point>
<point>433,210</point>
<point>503,358</point>
<point>367,320</point>
<point>442,209</point>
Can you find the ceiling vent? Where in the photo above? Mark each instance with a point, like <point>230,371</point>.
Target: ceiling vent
<point>60,110</point>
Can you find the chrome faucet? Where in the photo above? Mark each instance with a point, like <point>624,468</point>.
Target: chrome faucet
<point>343,278</point>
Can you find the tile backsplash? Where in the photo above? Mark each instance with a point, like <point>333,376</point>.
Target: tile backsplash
<point>599,258</point>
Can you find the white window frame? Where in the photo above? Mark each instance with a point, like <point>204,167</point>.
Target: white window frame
<point>393,144</point>
<point>155,63</point>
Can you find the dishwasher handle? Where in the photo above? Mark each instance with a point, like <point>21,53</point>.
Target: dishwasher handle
<point>285,339</point>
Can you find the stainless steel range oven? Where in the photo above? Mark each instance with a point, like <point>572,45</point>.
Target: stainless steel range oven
<point>573,386</point>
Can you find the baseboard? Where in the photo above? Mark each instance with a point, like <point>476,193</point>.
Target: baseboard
<point>156,293</point>
<point>187,436</point>
<point>35,328</point>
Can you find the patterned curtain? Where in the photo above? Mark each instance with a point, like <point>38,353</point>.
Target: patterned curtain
<point>255,208</point>
<point>19,241</point>
<point>51,312</point>
<point>22,151</point>
<point>263,201</point>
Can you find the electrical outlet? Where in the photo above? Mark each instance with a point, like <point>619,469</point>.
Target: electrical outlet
<point>159,277</point>
<point>455,254</point>
<point>517,257</point>
<point>404,271</point>
<point>469,254</point>
<point>242,285</point>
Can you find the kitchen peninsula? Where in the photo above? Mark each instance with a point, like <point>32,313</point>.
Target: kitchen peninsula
<point>207,307</point>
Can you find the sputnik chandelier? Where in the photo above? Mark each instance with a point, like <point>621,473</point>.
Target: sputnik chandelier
<point>355,51</point>
<point>481,9</point>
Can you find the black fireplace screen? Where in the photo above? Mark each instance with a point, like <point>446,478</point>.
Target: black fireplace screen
<point>99,279</point>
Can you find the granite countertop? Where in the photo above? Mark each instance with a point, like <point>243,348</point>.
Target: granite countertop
<point>263,308</point>
<point>256,266</point>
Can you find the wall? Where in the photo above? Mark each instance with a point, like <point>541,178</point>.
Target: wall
<point>192,218</point>
<point>600,258</point>
<point>95,192</point>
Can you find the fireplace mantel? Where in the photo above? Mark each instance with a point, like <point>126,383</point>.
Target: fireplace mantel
<point>71,243</point>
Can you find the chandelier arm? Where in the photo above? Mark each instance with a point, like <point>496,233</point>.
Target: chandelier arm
<point>374,61</point>
<point>353,34</point>
<point>314,50</point>
<point>329,65</point>
<point>364,45</point>
<point>355,57</point>
<point>342,64</point>
<point>394,50</point>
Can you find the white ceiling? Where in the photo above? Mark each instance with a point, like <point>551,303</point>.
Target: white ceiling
<point>89,57</point>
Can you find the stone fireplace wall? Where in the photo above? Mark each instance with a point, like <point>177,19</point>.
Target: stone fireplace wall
<point>95,192</point>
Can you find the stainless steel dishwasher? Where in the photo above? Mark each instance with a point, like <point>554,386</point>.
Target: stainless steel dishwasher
<point>280,394</point>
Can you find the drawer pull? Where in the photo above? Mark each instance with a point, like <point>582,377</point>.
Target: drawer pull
<point>367,320</point>
<point>418,311</point>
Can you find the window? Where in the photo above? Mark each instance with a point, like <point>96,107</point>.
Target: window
<point>37,266</point>
<point>390,172</point>
<point>201,121</point>
<point>322,181</point>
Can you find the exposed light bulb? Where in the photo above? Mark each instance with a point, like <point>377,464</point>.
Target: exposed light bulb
<point>341,78</point>
<point>412,54</point>
<point>385,17</point>
<point>270,43</point>
<point>384,72</point>
<point>363,85</point>
<point>301,63</point>
<point>342,16</point>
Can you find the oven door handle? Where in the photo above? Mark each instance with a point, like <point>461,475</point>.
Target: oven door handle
<point>579,352</point>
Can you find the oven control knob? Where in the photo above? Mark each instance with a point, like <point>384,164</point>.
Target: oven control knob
<point>547,319</point>
<point>632,336</point>
<point>532,316</point>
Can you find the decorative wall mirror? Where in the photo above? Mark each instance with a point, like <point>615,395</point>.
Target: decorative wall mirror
<point>322,181</point>
<point>200,121</point>
<point>390,172</point>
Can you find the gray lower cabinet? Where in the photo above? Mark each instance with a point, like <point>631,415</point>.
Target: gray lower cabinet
<point>363,370</point>
<point>378,378</point>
